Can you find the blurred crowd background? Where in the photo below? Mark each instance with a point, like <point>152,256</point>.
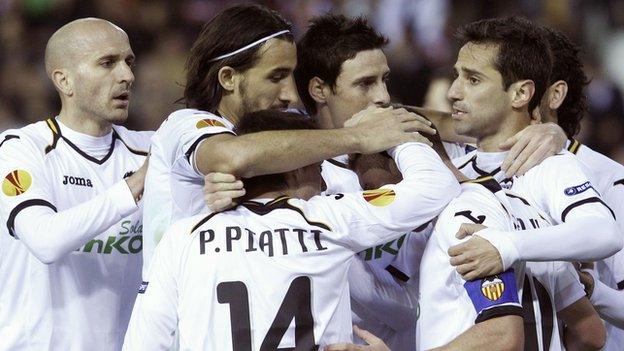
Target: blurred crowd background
<point>421,52</point>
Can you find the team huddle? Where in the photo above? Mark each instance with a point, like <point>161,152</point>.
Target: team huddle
<point>351,223</point>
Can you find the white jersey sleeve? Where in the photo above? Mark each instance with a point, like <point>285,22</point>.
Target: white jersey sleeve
<point>562,189</point>
<point>31,214</point>
<point>154,316</point>
<point>608,302</point>
<point>568,288</point>
<point>372,217</point>
<point>182,134</point>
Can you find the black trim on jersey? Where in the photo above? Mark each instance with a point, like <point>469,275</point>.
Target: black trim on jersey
<point>482,173</point>
<point>583,202</point>
<point>530,331</point>
<point>519,198</point>
<point>620,285</point>
<point>280,202</point>
<point>136,152</point>
<point>488,182</point>
<point>204,220</point>
<point>8,137</point>
<point>396,273</point>
<point>617,182</point>
<point>422,227</point>
<point>56,134</point>
<point>337,164</point>
<point>89,157</point>
<point>547,311</point>
<point>499,312</point>
<point>574,146</point>
<point>199,140</point>
<point>17,209</point>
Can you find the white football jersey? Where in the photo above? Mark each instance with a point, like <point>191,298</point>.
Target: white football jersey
<point>548,288</point>
<point>449,305</point>
<point>82,300</point>
<point>557,186</point>
<point>173,187</point>
<point>380,301</point>
<point>609,179</point>
<point>263,265</point>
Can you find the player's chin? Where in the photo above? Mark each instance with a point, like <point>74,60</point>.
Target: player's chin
<point>118,116</point>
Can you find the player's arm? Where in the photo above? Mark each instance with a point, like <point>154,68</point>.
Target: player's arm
<point>377,216</point>
<point>586,229</point>
<point>584,329</point>
<point>154,316</point>
<point>49,233</point>
<point>608,302</point>
<point>499,323</point>
<point>280,151</point>
<point>501,333</point>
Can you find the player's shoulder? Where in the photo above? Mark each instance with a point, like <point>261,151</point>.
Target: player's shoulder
<point>601,165</point>
<point>136,141</point>
<point>553,165</point>
<point>34,139</point>
<point>189,118</point>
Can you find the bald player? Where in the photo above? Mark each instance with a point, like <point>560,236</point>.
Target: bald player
<point>70,243</point>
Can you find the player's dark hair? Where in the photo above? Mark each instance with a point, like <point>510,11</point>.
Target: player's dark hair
<point>329,41</point>
<point>267,120</point>
<point>523,52</point>
<point>567,66</point>
<point>230,30</point>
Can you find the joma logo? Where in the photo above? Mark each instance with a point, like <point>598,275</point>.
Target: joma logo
<point>77,181</point>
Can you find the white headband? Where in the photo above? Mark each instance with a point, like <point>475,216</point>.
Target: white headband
<point>250,45</point>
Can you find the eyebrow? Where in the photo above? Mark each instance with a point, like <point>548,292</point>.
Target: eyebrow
<point>471,72</point>
<point>282,70</point>
<point>115,57</point>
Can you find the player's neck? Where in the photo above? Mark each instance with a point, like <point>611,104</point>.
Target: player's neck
<point>324,119</point>
<point>507,128</point>
<point>229,110</point>
<point>92,126</point>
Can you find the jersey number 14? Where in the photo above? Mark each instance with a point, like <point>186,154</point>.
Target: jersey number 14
<point>296,305</point>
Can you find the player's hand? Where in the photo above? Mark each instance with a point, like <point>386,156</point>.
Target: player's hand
<point>379,129</point>
<point>530,146</point>
<point>136,181</point>
<point>374,343</point>
<point>584,270</point>
<point>221,191</point>
<point>475,258</point>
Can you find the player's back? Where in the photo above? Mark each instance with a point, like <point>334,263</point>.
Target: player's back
<point>260,277</point>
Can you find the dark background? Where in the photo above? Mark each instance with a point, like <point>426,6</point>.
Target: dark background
<point>421,50</point>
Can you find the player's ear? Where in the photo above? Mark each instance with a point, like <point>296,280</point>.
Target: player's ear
<point>557,94</point>
<point>63,82</point>
<point>522,91</point>
<point>318,90</point>
<point>228,78</point>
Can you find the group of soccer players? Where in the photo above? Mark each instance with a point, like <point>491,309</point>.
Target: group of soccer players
<point>252,228</point>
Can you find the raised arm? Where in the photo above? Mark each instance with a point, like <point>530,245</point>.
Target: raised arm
<point>280,151</point>
<point>504,333</point>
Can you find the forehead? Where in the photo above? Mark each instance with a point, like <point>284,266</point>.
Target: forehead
<point>365,63</point>
<point>102,41</point>
<point>477,56</point>
<point>276,53</point>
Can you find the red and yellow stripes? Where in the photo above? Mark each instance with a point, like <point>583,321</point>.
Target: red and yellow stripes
<point>16,183</point>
